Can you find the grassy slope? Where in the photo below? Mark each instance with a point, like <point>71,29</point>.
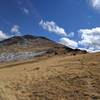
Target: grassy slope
<point>55,78</point>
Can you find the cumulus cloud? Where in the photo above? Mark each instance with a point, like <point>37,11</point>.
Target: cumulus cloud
<point>51,26</point>
<point>95,4</point>
<point>70,43</point>
<point>3,35</point>
<point>15,30</point>
<point>90,38</point>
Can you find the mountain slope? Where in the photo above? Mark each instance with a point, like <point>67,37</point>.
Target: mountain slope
<point>28,46</point>
<point>34,43</point>
<point>58,77</point>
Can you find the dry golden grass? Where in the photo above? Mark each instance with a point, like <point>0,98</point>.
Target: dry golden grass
<point>52,78</point>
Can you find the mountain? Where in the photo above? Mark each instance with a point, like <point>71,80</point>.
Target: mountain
<point>48,77</point>
<point>29,43</point>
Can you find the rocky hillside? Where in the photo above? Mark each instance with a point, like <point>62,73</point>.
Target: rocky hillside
<point>28,46</point>
<point>33,43</point>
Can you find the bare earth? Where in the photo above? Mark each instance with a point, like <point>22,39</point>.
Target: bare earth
<point>52,78</point>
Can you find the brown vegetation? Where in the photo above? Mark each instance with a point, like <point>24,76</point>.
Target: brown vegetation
<point>58,77</point>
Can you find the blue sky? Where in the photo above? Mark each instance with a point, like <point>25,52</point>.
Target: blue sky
<point>74,23</point>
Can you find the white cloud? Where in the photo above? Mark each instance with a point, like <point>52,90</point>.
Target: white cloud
<point>95,4</point>
<point>3,35</point>
<point>15,30</point>
<point>70,43</point>
<point>26,11</point>
<point>90,38</point>
<point>52,27</point>
<point>90,50</point>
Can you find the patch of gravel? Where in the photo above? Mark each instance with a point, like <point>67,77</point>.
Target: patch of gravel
<point>5,57</point>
